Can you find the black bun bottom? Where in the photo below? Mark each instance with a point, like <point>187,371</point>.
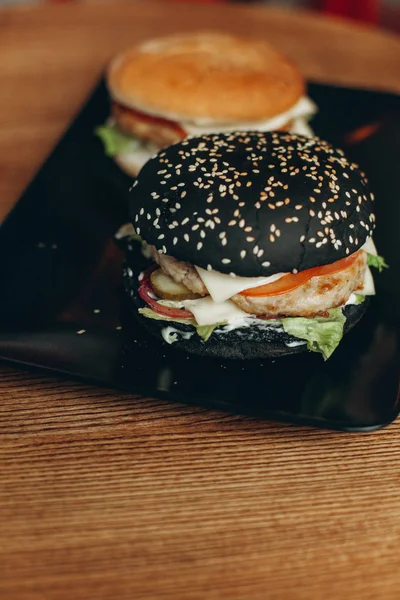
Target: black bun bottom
<point>260,341</point>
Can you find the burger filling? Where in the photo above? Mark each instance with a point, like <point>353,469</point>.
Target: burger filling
<point>307,305</point>
<point>133,134</point>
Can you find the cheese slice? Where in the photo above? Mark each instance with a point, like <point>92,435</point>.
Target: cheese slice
<point>222,286</point>
<point>369,247</point>
<point>304,108</point>
<point>301,127</point>
<point>368,288</point>
<point>208,312</point>
<point>136,155</point>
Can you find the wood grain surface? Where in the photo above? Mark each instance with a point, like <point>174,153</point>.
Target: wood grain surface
<point>106,495</point>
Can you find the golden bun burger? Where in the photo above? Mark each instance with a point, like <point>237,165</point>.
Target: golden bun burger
<point>166,89</point>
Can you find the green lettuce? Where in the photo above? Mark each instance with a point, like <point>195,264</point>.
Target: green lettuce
<point>377,261</point>
<point>203,331</point>
<point>323,334</point>
<point>359,298</point>
<point>114,141</point>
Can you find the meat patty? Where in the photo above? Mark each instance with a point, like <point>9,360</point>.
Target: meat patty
<point>181,272</point>
<point>160,132</point>
<point>315,296</point>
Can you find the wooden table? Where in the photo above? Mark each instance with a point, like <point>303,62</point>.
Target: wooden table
<point>106,495</point>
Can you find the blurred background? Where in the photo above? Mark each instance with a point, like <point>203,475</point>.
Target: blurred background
<point>384,13</point>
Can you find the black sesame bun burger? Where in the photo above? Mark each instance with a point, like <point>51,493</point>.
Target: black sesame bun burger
<point>193,84</point>
<point>259,245</point>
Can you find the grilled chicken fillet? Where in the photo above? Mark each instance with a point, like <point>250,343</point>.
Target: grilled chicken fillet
<point>317,295</point>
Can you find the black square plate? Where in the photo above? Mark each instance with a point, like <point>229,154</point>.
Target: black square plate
<point>61,305</point>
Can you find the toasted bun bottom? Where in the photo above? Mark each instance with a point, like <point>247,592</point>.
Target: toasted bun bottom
<point>261,341</point>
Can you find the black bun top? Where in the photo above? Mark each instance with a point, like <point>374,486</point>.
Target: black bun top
<point>253,203</point>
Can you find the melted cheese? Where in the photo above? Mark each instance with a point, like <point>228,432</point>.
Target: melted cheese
<point>222,286</point>
<point>368,288</point>
<point>301,127</point>
<point>304,108</point>
<point>208,312</point>
<point>369,247</point>
<point>137,155</point>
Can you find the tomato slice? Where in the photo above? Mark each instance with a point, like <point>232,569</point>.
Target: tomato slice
<point>158,121</point>
<point>291,281</point>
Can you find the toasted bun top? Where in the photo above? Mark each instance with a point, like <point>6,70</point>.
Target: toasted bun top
<point>253,203</point>
<point>206,77</point>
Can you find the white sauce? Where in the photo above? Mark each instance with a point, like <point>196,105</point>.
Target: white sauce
<point>294,344</point>
<point>251,321</point>
<point>171,335</point>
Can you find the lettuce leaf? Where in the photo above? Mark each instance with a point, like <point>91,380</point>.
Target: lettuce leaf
<point>322,334</point>
<point>377,261</point>
<point>114,141</point>
<point>359,298</point>
<point>203,331</point>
